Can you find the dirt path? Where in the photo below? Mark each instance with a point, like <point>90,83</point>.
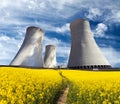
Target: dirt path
<point>63,97</point>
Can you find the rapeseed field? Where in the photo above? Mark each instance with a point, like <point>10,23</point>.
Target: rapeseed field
<point>25,86</point>
<point>44,86</point>
<point>93,87</point>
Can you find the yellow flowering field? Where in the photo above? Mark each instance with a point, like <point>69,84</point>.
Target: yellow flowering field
<point>44,86</point>
<point>27,86</point>
<point>93,87</point>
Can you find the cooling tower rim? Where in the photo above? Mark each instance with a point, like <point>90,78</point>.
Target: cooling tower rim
<point>78,21</point>
<point>47,46</point>
<point>30,28</point>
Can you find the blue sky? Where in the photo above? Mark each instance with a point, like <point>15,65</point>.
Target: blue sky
<point>54,17</point>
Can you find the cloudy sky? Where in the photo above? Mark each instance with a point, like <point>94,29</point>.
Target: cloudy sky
<point>54,17</point>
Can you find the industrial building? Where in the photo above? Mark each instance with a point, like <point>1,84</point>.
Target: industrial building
<point>50,57</point>
<point>30,53</point>
<point>85,53</point>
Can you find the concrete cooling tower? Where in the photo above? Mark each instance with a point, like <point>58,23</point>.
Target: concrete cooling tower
<point>50,57</point>
<point>84,50</point>
<point>30,53</point>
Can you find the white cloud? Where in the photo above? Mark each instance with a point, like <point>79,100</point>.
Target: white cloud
<point>100,30</point>
<point>58,9</point>
<point>93,13</point>
<point>8,48</point>
<point>112,55</point>
<point>52,10</point>
<point>63,29</point>
<point>51,15</point>
<point>113,17</point>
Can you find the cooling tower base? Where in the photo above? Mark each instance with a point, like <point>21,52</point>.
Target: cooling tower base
<point>91,67</point>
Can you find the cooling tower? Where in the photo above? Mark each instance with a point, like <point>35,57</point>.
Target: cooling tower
<point>50,56</point>
<point>84,50</point>
<point>30,53</point>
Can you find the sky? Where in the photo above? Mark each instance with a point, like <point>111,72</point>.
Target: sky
<point>54,17</point>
